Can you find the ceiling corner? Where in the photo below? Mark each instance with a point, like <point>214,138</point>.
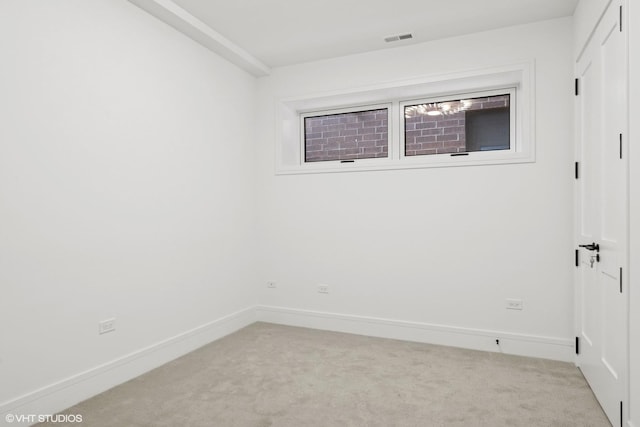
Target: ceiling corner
<point>175,16</point>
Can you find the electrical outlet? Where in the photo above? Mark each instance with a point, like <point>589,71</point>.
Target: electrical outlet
<point>105,326</point>
<point>323,289</point>
<point>271,285</point>
<point>514,304</point>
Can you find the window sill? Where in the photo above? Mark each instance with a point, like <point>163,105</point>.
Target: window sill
<point>382,165</point>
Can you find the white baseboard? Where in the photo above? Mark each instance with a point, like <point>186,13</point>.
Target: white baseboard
<point>477,339</point>
<point>67,392</point>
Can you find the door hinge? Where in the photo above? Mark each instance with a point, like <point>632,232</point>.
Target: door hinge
<point>577,345</point>
<point>621,146</point>
<point>577,257</point>
<point>577,87</point>
<point>620,18</point>
<point>621,416</point>
<point>620,279</point>
<point>577,170</point>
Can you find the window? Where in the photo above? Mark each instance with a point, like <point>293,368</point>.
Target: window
<point>457,126</point>
<point>468,118</point>
<point>346,136</point>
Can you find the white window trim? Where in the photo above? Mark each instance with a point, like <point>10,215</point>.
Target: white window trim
<point>518,78</point>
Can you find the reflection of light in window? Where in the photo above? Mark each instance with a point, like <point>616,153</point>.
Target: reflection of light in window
<point>437,108</point>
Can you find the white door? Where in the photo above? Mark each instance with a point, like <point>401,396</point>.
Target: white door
<point>602,294</point>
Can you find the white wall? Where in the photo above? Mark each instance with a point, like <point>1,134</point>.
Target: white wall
<point>126,188</point>
<point>441,246</point>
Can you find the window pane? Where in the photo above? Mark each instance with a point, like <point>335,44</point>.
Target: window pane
<point>458,126</point>
<point>346,136</point>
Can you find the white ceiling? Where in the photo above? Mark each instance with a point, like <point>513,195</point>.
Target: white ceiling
<point>284,32</point>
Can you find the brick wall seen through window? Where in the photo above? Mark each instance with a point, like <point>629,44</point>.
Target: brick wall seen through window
<point>347,136</point>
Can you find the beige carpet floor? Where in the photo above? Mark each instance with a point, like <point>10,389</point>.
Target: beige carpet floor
<point>271,375</point>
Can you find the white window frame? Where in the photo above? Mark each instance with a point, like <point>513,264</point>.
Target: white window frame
<point>470,157</point>
<point>331,164</point>
<point>516,79</point>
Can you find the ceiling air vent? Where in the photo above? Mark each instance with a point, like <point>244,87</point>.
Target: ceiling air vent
<point>398,37</point>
